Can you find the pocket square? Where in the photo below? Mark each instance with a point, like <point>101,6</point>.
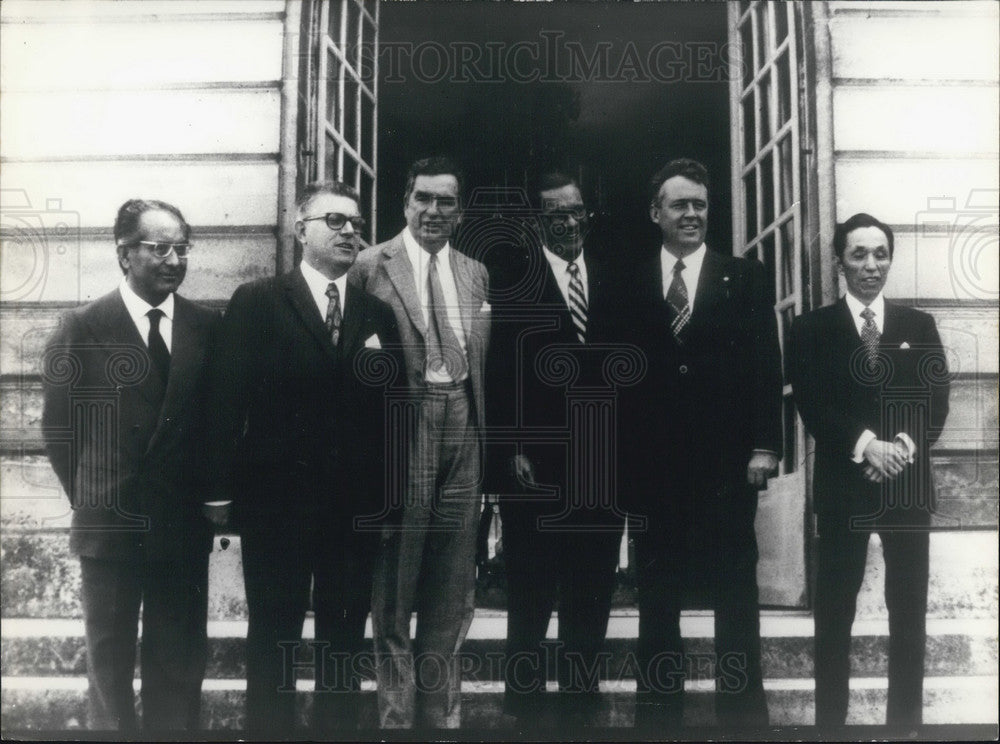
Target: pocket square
<point>904,346</point>
<point>486,307</point>
<point>372,342</point>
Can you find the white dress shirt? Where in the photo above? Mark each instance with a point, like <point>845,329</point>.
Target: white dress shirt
<point>137,309</point>
<point>420,261</point>
<point>690,274</point>
<point>317,283</point>
<point>560,269</point>
<point>877,306</point>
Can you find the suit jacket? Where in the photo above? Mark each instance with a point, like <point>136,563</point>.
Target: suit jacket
<point>298,425</point>
<point>385,271</point>
<point>839,397</point>
<point>704,405</point>
<point>530,316</point>
<point>122,443</point>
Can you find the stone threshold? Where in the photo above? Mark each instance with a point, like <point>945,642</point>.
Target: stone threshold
<point>624,686</point>
<point>492,625</point>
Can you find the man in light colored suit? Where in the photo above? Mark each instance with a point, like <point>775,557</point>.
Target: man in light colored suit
<point>427,557</point>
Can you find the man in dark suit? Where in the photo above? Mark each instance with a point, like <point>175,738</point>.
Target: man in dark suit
<point>298,433</point>
<point>427,558</point>
<point>124,386</point>
<point>871,381</point>
<point>699,436</point>
<point>557,543</point>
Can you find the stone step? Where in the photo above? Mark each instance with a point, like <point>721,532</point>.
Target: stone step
<point>43,704</point>
<point>961,648</point>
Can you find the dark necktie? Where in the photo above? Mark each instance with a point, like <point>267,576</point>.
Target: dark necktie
<point>333,315</point>
<point>677,298</point>
<point>870,336</point>
<point>444,353</point>
<point>157,346</point>
<point>577,301</point>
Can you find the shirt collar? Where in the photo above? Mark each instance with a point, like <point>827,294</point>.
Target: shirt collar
<point>559,264</point>
<point>417,254</point>
<point>318,282</point>
<point>691,261</point>
<point>877,306</point>
<point>138,307</point>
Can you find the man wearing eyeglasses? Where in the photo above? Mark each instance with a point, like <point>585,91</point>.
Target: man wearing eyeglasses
<point>298,442</point>
<point>550,298</point>
<point>124,381</point>
<point>427,559</point>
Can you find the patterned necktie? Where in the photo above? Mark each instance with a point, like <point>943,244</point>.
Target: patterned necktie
<point>444,353</point>
<point>870,336</point>
<point>157,346</point>
<point>333,314</point>
<point>677,298</point>
<point>577,301</point>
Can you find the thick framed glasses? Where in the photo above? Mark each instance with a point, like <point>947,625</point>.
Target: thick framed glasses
<point>336,221</point>
<point>162,250</point>
<point>562,215</point>
<point>444,203</point>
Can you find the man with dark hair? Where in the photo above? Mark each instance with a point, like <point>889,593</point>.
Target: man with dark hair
<point>297,420</point>
<point>561,533</point>
<point>870,379</point>
<point>124,387</point>
<point>427,558</point>
<point>699,436</point>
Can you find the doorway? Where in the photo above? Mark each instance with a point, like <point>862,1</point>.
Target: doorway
<point>607,92</point>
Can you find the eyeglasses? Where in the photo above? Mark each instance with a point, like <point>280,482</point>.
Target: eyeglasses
<point>336,221</point>
<point>162,250</point>
<point>444,203</point>
<point>562,215</point>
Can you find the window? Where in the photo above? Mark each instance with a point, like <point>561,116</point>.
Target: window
<point>339,97</point>
<point>767,198</point>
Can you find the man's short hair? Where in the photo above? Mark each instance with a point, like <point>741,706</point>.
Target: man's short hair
<point>859,220</point>
<point>126,230</point>
<point>439,165</point>
<point>314,189</point>
<point>549,181</point>
<point>690,169</point>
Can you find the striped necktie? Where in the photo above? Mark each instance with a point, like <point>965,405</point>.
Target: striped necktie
<point>870,335</point>
<point>577,301</point>
<point>677,298</point>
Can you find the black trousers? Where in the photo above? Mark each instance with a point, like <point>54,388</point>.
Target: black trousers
<point>840,571</point>
<point>174,600</point>
<point>701,542</point>
<point>282,559</point>
<point>545,564</point>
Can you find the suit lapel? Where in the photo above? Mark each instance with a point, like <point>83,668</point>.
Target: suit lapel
<point>187,349</point>
<point>401,274</point>
<point>711,287</point>
<point>301,299</point>
<point>847,335</point>
<point>355,312</point>
<point>115,323</point>
<point>463,287</point>
<point>553,297</point>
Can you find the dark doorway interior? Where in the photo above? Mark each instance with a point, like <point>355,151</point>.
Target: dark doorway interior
<point>609,92</point>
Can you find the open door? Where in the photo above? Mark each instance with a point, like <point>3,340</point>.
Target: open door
<point>338,97</point>
<point>765,95</point>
